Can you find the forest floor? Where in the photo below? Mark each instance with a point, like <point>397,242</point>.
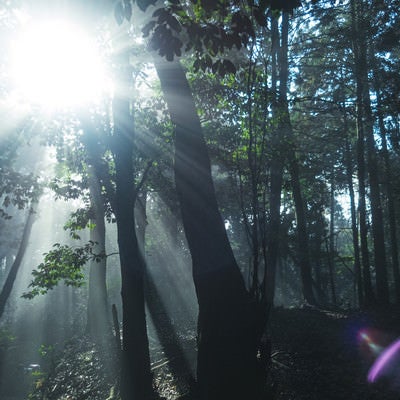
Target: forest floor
<point>324,355</point>
<point>316,355</point>
<point>321,355</point>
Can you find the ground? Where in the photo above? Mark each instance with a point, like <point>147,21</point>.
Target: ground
<point>321,355</point>
<point>316,355</point>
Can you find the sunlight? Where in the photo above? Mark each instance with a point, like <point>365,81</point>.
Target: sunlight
<point>57,65</point>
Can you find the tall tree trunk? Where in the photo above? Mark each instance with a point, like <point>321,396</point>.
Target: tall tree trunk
<point>361,170</point>
<point>97,319</point>
<point>276,171</point>
<point>389,187</point>
<point>382,286</point>
<point>354,227</point>
<point>331,253</point>
<point>302,235</point>
<point>136,381</point>
<point>227,326</point>
<point>364,108</point>
<point>97,312</point>
<point>12,275</point>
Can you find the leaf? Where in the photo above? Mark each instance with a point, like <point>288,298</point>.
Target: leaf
<point>119,13</point>
<point>216,66</point>
<point>143,4</point>
<point>229,66</point>
<point>148,27</point>
<point>158,12</point>
<point>173,23</point>
<point>128,10</point>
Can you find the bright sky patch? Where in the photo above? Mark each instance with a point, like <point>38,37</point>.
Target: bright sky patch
<point>57,65</point>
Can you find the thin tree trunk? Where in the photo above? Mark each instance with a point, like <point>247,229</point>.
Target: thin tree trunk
<point>12,275</point>
<point>277,164</point>
<point>331,253</point>
<point>301,228</point>
<point>369,295</point>
<point>354,227</point>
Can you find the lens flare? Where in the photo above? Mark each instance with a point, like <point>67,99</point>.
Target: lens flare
<point>383,360</point>
<point>366,339</point>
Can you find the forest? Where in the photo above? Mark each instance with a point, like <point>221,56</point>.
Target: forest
<point>199,200</point>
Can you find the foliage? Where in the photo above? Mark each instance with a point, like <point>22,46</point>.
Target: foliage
<point>62,264</point>
<point>206,29</point>
<point>78,371</point>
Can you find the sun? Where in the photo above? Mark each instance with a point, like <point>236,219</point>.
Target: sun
<point>57,65</point>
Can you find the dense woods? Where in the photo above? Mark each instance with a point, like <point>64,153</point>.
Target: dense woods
<point>202,203</point>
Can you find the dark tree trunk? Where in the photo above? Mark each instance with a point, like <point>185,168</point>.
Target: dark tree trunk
<point>302,234</point>
<point>361,170</point>
<point>227,326</point>
<point>276,171</point>
<point>12,275</point>
<point>389,188</point>
<point>301,228</point>
<point>354,227</point>
<point>382,286</point>
<point>136,381</point>
<point>331,253</point>
<point>364,109</point>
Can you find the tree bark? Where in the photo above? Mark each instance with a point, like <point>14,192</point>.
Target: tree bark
<point>136,380</point>
<point>354,228</point>
<point>276,171</point>
<point>227,326</point>
<point>361,170</point>
<point>331,253</point>
<point>364,108</point>
<point>97,312</point>
<point>389,186</point>
<point>302,234</point>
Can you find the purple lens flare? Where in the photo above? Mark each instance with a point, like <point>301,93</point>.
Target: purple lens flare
<point>381,362</point>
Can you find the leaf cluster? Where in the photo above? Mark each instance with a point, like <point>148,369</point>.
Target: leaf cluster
<point>62,264</point>
<point>208,29</point>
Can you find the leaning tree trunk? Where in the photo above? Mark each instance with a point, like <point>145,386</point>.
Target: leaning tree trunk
<point>12,275</point>
<point>227,331</point>
<point>136,381</point>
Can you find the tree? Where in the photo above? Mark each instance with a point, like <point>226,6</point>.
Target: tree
<point>136,377</point>
<point>12,275</point>
<point>228,322</point>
